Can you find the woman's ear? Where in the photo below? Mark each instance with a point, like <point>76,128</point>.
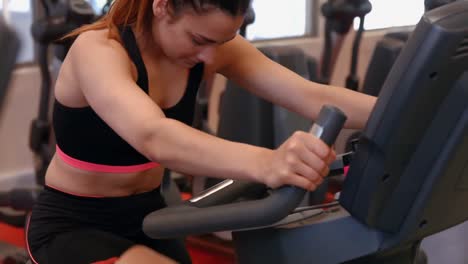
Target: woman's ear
<point>160,8</point>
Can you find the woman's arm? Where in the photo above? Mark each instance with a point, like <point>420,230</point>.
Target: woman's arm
<point>241,62</point>
<point>103,70</point>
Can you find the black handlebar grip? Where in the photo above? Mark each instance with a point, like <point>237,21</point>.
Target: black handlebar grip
<point>333,120</point>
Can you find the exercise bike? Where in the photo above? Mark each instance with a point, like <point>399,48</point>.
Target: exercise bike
<point>408,162</point>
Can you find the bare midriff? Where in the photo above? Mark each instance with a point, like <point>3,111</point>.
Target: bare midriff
<point>67,178</point>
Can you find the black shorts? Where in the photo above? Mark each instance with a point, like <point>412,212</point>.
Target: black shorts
<point>66,228</point>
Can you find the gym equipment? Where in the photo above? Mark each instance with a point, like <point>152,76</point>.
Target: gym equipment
<point>386,52</point>
<point>339,16</point>
<point>384,56</point>
<point>9,47</point>
<point>433,4</point>
<point>275,206</point>
<point>60,19</point>
<point>407,179</point>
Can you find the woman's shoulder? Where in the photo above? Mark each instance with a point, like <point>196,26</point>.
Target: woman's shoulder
<point>91,57</point>
<point>99,39</point>
<point>95,48</point>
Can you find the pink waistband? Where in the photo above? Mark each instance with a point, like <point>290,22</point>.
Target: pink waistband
<point>103,168</point>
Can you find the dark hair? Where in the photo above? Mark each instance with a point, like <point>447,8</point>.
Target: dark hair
<point>140,13</point>
<point>232,7</point>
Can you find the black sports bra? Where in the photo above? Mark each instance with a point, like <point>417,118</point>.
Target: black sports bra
<point>85,141</point>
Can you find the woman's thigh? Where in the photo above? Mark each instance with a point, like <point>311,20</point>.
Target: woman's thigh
<point>82,247</point>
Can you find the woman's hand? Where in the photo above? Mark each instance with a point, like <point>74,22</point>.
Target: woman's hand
<point>303,160</point>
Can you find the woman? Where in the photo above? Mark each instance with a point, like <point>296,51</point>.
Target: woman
<point>123,108</point>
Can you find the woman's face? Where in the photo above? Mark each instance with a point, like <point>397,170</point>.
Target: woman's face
<point>191,38</point>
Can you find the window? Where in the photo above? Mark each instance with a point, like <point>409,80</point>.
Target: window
<point>18,14</point>
<point>97,5</point>
<point>279,19</point>
<point>393,13</point>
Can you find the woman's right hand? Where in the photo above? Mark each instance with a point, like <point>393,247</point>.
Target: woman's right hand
<point>303,160</point>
